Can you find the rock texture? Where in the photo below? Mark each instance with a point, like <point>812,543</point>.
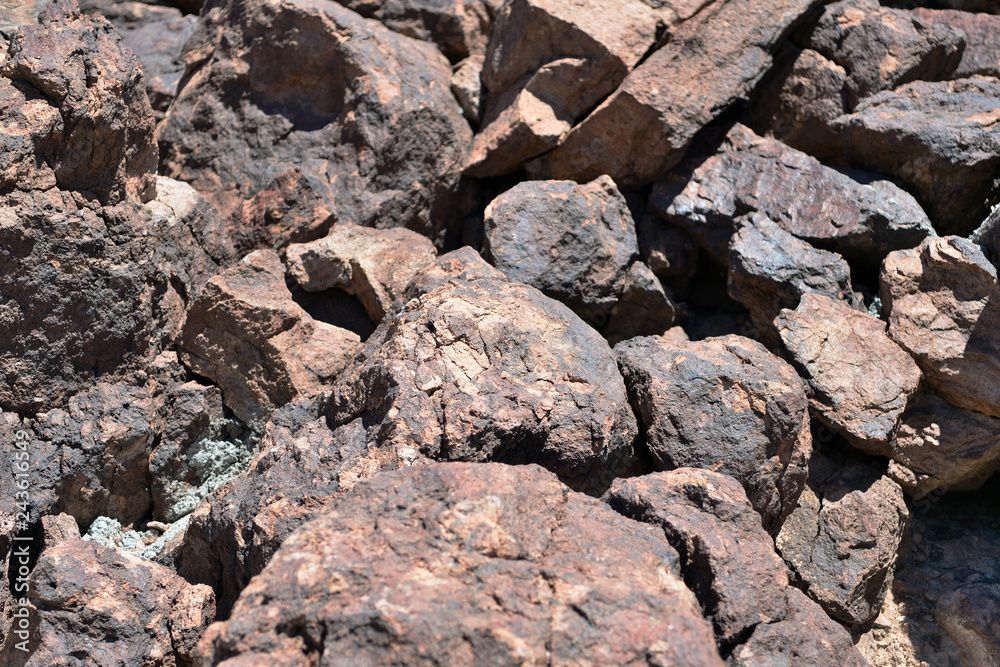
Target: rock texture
<point>982,39</point>
<point>971,615</point>
<point>511,572</point>
<point>725,404</point>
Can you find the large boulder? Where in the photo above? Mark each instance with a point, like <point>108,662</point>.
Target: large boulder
<point>272,86</point>
<point>464,563</point>
<point>982,39</point>
<point>724,404</point>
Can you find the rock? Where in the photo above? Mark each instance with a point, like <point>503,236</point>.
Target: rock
<point>971,615</point>
<point>725,404</point>
<point>515,568</point>
<point>646,125</point>
<point>940,139</point>
<point>59,528</point>
<point>96,605</point>
<point>881,48</point>
<point>860,218</point>
<point>375,265</point>
<point>467,87</point>
<point>491,370</point>
<point>842,540</point>
<point>835,348</point>
<point>665,248</point>
<point>17,13</point>
<point>942,301</point>
<point>982,39</point>
<point>987,235</point>
<point>321,101</point>
<point>769,269</point>
<point>246,333</point>
<point>644,308</point>
<point>943,448</point>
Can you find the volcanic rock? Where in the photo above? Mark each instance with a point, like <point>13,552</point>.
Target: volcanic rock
<point>982,39</point>
<point>665,248</point>
<point>725,404</point>
<point>971,615</point>
<point>467,87</point>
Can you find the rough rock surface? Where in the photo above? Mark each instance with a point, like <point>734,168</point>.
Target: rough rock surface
<point>724,404</point>
<point>859,217</point>
<point>971,615</point>
<point>943,305</point>
<point>982,39</point>
<point>665,248</point>
<point>319,99</point>
<point>375,265</point>
<point>835,348</point>
<point>467,87</point>
<point>646,126</point>
<point>263,350</point>
<point>843,539</point>
<point>514,568</point>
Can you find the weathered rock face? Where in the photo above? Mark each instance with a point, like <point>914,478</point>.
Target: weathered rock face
<point>861,218</point>
<point>487,369</point>
<point>646,126</point>
<point>982,39</point>
<point>96,605</point>
<point>843,539</point>
<point>511,557</point>
<point>724,404</point>
<point>320,99</point>
<point>375,265</point>
<point>247,334</point>
<point>835,348</point>
<point>665,248</point>
<point>467,87</point>
<point>943,304</point>
<point>971,615</point>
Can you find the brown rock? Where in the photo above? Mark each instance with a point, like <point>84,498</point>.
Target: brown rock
<point>321,99</point>
<point>247,334</point>
<point>724,404</point>
<point>843,539</point>
<point>943,304</point>
<point>644,308</point>
<point>982,39</point>
<point>665,248</point>
<point>467,87</point>
<point>971,615</point>
<point>375,265</point>
<point>835,348</point>
<point>514,568</point>
<point>646,126</point>
<point>462,265</point>
<point>860,218</point>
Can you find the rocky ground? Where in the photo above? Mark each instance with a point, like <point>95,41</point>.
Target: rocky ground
<point>530,332</point>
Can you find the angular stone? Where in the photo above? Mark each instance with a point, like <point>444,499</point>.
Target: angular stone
<point>375,265</point>
<point>942,301</point>
<point>835,348</point>
<point>322,99</point>
<point>725,404</point>
<point>665,248</point>
<point>467,87</point>
<point>263,350</point>
<point>982,39</point>
<point>987,235</point>
<point>513,568</point>
<point>943,448</point>
<point>491,370</point>
<point>843,539</point>
<point>860,218</point>
<point>646,126</point>
<point>462,265</point>
<point>769,269</point>
<point>971,615</point>
<point>644,308</point>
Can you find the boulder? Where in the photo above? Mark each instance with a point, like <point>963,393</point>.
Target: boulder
<point>374,265</point>
<point>513,567</point>
<point>645,308</point>
<point>942,301</point>
<point>857,216</point>
<point>835,348</point>
<point>646,126</point>
<point>971,615</point>
<point>467,87</point>
<point>725,404</point>
<point>321,96</point>
<point>982,39</point>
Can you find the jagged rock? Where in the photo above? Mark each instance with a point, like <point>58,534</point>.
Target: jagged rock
<point>943,448</point>
<point>17,13</point>
<point>860,218</point>
<point>246,333</point>
<point>462,265</point>
<point>644,308</point>
<point>724,404</point>
<point>467,87</point>
<point>835,348</point>
<point>490,370</point>
<point>940,139</point>
<point>96,605</point>
<point>843,539</point>
<point>982,39</point>
<point>319,99</point>
<point>59,528</point>
<point>943,305</point>
<point>769,269</point>
<point>646,126</point>
<point>375,265</point>
<point>987,235</point>
<point>971,615</point>
<point>665,248</point>
<point>515,568</point>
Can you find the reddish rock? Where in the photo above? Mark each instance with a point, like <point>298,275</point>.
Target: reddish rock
<point>665,248</point>
<point>835,348</point>
<point>724,404</point>
<point>971,615</point>
<point>467,87</point>
<point>982,39</point>
<point>462,265</point>
<point>644,309</point>
<point>514,568</point>
<point>375,265</point>
<point>943,305</point>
